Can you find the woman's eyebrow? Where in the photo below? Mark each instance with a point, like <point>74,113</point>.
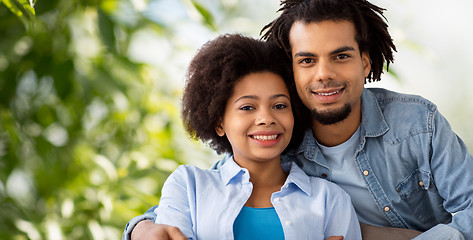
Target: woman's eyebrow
<point>256,97</point>
<point>279,95</point>
<point>246,97</point>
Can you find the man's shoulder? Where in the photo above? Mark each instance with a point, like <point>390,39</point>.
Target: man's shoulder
<point>387,98</point>
<point>406,115</point>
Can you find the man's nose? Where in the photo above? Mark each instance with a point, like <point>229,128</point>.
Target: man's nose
<point>324,70</point>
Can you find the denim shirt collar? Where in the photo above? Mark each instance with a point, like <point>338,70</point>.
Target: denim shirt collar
<point>373,124</point>
<point>230,170</point>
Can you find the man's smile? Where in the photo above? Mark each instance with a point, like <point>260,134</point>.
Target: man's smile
<point>327,92</point>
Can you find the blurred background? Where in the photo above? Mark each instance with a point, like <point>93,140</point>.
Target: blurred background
<point>90,89</point>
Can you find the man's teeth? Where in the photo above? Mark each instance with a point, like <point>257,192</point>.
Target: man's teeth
<point>265,137</point>
<point>328,94</point>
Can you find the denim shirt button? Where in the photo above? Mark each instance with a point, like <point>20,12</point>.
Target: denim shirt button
<point>324,175</point>
<point>366,172</point>
<point>386,209</point>
<point>421,183</point>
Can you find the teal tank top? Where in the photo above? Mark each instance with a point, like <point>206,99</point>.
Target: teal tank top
<point>257,223</point>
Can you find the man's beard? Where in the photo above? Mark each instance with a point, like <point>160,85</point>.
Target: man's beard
<point>329,117</point>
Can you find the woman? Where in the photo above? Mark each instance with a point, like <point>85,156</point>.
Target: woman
<point>238,98</point>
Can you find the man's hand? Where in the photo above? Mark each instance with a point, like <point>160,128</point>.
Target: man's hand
<point>148,230</point>
<point>335,238</point>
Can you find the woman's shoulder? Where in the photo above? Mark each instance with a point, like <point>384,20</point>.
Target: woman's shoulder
<point>330,189</point>
<point>318,185</point>
<point>193,173</point>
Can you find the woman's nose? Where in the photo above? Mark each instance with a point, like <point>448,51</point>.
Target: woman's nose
<point>265,117</point>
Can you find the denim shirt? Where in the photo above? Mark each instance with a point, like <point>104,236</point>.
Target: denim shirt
<point>417,169</point>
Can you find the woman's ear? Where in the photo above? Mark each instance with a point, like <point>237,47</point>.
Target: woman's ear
<point>219,130</point>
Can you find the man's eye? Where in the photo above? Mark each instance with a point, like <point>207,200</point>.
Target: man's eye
<point>306,61</point>
<point>342,56</point>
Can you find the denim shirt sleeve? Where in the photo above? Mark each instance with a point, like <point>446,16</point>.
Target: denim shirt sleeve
<point>441,231</point>
<point>452,167</point>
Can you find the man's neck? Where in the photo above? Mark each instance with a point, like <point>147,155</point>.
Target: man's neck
<point>338,133</point>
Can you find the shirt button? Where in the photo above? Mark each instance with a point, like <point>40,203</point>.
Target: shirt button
<point>386,209</point>
<point>366,172</point>
<point>421,183</point>
<point>276,199</point>
<point>324,175</point>
<point>288,223</point>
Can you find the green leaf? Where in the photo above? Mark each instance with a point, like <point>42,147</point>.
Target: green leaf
<point>28,6</point>
<point>106,27</point>
<point>13,7</point>
<point>23,9</point>
<point>208,18</point>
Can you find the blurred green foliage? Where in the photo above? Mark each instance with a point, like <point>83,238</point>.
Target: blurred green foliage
<point>87,135</point>
<point>88,131</point>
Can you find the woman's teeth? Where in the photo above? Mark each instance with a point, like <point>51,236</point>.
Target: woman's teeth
<point>265,137</point>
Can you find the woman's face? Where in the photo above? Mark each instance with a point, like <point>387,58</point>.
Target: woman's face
<point>258,119</point>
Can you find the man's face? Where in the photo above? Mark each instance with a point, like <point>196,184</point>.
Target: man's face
<point>329,70</point>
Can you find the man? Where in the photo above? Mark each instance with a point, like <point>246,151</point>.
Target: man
<point>395,154</point>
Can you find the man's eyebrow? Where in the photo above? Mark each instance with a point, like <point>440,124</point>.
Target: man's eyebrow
<point>342,49</point>
<point>305,54</point>
<point>336,51</point>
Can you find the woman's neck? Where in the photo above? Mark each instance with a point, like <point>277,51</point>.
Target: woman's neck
<point>267,178</point>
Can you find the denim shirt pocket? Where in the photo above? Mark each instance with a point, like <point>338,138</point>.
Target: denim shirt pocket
<point>417,191</point>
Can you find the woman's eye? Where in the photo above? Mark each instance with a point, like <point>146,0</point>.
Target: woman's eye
<point>246,108</point>
<point>280,106</point>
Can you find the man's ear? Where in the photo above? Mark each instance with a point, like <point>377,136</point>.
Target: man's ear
<point>219,130</point>
<point>366,60</point>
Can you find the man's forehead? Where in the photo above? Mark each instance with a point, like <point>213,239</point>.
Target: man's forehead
<point>324,36</point>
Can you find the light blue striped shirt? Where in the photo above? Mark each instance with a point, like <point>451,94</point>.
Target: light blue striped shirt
<point>204,204</point>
